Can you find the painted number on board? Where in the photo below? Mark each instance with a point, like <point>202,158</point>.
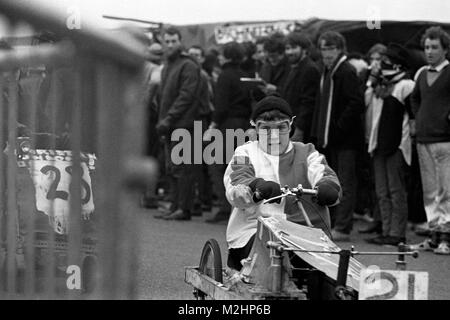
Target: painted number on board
<point>393,285</point>
<point>54,193</point>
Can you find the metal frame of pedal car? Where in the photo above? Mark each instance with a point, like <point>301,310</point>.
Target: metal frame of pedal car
<point>275,284</point>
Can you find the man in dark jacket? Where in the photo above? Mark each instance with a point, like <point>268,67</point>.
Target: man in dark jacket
<point>276,68</point>
<point>302,83</point>
<point>232,111</point>
<point>182,93</point>
<point>203,183</point>
<point>337,125</point>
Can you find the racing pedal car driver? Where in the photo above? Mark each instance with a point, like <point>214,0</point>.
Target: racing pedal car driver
<point>258,169</point>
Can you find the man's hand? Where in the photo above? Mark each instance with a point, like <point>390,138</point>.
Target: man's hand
<point>242,196</point>
<point>163,126</point>
<point>298,135</point>
<point>207,136</point>
<point>268,88</point>
<point>265,190</point>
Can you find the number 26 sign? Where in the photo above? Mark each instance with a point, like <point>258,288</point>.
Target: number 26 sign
<point>376,284</point>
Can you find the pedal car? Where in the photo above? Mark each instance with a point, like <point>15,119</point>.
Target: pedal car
<point>287,261</point>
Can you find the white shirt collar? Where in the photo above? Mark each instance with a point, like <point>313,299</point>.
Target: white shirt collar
<point>441,66</point>
<point>290,147</point>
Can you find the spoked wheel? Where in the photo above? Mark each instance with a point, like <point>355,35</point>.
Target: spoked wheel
<point>210,264</point>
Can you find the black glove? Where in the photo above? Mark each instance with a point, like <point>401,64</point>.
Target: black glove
<point>327,193</point>
<point>265,190</point>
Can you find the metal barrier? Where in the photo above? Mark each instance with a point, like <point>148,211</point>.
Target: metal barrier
<point>68,177</point>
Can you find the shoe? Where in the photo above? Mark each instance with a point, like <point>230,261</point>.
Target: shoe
<point>218,217</point>
<point>167,207</point>
<point>377,240</point>
<point>426,245</point>
<point>415,226</point>
<point>197,210</point>
<point>393,241</point>
<point>163,214</point>
<point>372,227</point>
<point>164,210</point>
<point>340,236</point>
<point>423,231</point>
<point>443,248</point>
<point>206,207</point>
<point>149,203</point>
<point>178,215</point>
<point>364,217</point>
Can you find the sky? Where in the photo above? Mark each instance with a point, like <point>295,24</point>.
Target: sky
<point>208,11</point>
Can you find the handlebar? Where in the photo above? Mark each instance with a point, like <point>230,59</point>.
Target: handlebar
<point>299,190</point>
<point>296,191</point>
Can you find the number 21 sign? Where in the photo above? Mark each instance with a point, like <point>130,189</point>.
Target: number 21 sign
<point>376,284</point>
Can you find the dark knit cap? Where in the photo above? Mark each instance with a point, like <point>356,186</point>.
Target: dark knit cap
<point>398,54</point>
<point>269,103</point>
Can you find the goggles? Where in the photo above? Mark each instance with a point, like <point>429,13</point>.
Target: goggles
<point>283,126</point>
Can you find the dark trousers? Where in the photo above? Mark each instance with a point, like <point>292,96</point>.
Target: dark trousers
<point>203,178</point>
<point>204,185</point>
<point>416,211</point>
<point>153,147</point>
<point>181,177</point>
<point>217,171</point>
<point>366,200</point>
<point>236,255</point>
<point>343,162</point>
<point>391,192</point>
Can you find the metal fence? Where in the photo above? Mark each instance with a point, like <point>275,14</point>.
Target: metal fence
<point>71,132</point>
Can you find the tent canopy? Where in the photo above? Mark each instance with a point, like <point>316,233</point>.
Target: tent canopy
<point>357,33</point>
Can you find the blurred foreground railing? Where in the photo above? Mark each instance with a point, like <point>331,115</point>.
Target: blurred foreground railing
<point>72,140</point>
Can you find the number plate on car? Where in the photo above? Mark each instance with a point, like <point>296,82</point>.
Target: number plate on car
<point>376,284</point>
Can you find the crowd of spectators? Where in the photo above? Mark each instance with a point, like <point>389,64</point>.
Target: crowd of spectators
<point>382,123</point>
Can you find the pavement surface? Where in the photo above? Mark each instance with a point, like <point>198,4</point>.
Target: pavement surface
<point>166,247</point>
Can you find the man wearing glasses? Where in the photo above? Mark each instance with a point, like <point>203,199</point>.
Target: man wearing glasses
<point>337,129</point>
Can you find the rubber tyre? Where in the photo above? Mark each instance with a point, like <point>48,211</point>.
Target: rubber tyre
<point>211,250</point>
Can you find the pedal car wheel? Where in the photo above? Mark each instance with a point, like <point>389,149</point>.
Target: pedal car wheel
<point>210,263</point>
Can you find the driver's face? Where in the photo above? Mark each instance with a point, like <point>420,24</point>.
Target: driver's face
<point>273,135</point>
